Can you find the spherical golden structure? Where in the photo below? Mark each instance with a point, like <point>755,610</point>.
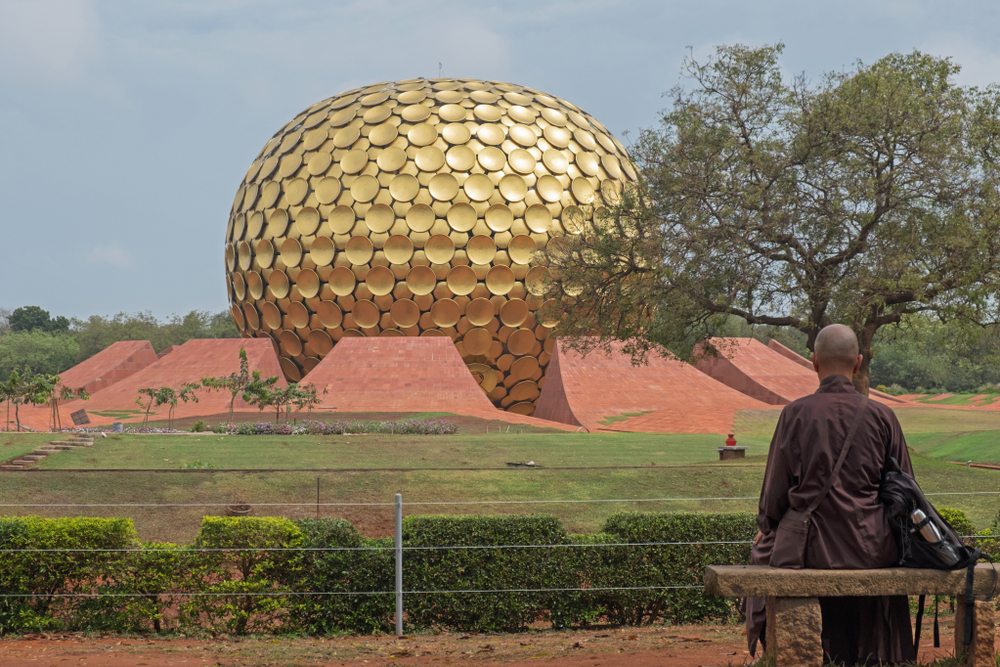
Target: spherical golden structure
<point>415,208</point>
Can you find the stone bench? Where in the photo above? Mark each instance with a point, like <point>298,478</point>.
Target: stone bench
<point>793,615</point>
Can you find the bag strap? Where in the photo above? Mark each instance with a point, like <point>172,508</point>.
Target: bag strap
<point>848,441</point>
<point>919,622</point>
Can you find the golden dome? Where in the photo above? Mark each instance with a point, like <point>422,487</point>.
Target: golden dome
<point>415,208</point>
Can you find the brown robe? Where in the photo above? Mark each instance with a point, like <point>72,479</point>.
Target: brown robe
<point>849,529</point>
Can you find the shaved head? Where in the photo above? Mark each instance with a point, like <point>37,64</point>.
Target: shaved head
<point>836,347</point>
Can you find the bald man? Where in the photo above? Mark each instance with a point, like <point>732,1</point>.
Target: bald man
<point>849,530</point>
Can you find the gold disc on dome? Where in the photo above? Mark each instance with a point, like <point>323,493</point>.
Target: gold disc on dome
<point>366,313</point>
<point>330,315</point>
<point>239,287</point>
<point>383,135</point>
<point>557,136</point>
<point>327,190</point>
<point>380,218</point>
<point>415,113</point>
<point>353,333</point>
<point>391,159</point>
<point>322,251</point>
<point>520,342</point>
<point>277,222</point>
<point>250,313</point>
<point>556,162</point>
<point>341,281</point>
<point>307,221</point>
<point>446,313</point>
<point>255,285</point>
<point>269,194</point>
<point>341,220</point>
<point>554,117</point>
<point>343,117</point>
<point>255,224</point>
<point>290,343</point>
<point>461,158</point>
<point>514,313</point>
<point>522,161</point>
<point>398,249</point>
<point>404,313</point>
<point>238,223</point>
<point>492,159</point>
<point>354,161</point>
<point>412,96</point>
<point>526,408</point>
<point>298,315</point>
<point>524,391</point>
<point>265,253</point>
<point>320,341</point>
<point>538,218</point>
<point>546,315</point>
<point>500,280</point>
<point>429,158</point>
<point>439,249</point>
<point>377,114</point>
<point>230,257</point>
<point>390,333</point>
<point>461,280</point>
<point>422,134</point>
<point>483,96</point>
<point>461,216</point>
<point>585,139</point>
<point>380,280</point>
<point>375,98</point>
<point>452,113</point>
<point>491,135</point>
<point>433,332</point>
<point>517,98</point>
<point>289,165</point>
<point>522,134</point>
<point>456,133</point>
<point>308,283</point>
<point>487,113</point>
<point>524,368</point>
<point>443,187</point>
<point>277,283</point>
<point>319,163</point>
<point>478,187</point>
<point>521,114</point>
<point>291,252</point>
<point>310,363</point>
<point>481,249</point>
<point>572,220</point>
<point>364,188</point>
<point>499,218</point>
<point>421,280</point>
<point>243,252</point>
<point>612,166</point>
<point>521,249</point>
<point>480,311</point>
<point>513,187</point>
<point>582,190</point>
<point>359,250</point>
<point>271,315</point>
<point>420,217</point>
<point>291,371</point>
<point>477,341</point>
<point>536,280</point>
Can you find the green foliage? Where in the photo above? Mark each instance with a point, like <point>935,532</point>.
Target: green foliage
<point>41,351</point>
<point>33,318</point>
<point>199,426</point>
<point>957,520</point>
<point>243,382</point>
<point>96,332</point>
<point>21,389</point>
<point>48,573</point>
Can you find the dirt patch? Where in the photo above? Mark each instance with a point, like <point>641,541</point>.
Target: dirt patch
<point>658,646</point>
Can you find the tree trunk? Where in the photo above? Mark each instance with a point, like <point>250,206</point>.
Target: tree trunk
<point>862,379</point>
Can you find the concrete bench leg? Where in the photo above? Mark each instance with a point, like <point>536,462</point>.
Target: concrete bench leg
<point>980,652</point>
<point>794,632</point>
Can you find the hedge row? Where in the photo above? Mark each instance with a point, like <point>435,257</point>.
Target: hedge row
<point>260,575</point>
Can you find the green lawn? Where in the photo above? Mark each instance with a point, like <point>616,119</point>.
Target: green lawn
<point>959,399</point>
<point>13,444</point>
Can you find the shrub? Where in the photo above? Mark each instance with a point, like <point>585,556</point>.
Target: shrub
<point>312,427</point>
<point>199,426</point>
<point>957,520</point>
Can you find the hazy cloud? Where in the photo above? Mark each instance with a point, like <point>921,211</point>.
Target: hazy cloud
<point>47,41</point>
<point>113,254</point>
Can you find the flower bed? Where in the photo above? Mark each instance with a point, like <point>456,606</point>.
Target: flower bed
<point>312,427</point>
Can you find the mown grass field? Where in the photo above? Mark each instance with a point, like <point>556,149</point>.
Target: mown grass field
<point>577,474</point>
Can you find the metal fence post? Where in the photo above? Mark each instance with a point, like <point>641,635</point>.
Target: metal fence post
<point>399,565</point>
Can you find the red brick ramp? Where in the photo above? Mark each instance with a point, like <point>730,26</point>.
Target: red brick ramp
<point>112,364</point>
<point>881,396</point>
<point>585,390</point>
<point>189,362</point>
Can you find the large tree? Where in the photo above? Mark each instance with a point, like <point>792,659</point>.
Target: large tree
<point>862,199</point>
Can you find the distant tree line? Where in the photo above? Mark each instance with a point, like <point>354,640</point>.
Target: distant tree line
<point>31,338</point>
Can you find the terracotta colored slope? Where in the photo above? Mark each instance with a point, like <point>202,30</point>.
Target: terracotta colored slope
<point>112,364</point>
<point>749,366</point>
<point>189,362</point>
<point>586,390</point>
<point>397,375</point>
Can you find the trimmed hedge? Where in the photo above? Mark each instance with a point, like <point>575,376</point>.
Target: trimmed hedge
<point>259,575</point>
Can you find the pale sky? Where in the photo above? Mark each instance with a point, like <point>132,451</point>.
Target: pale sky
<point>126,126</point>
